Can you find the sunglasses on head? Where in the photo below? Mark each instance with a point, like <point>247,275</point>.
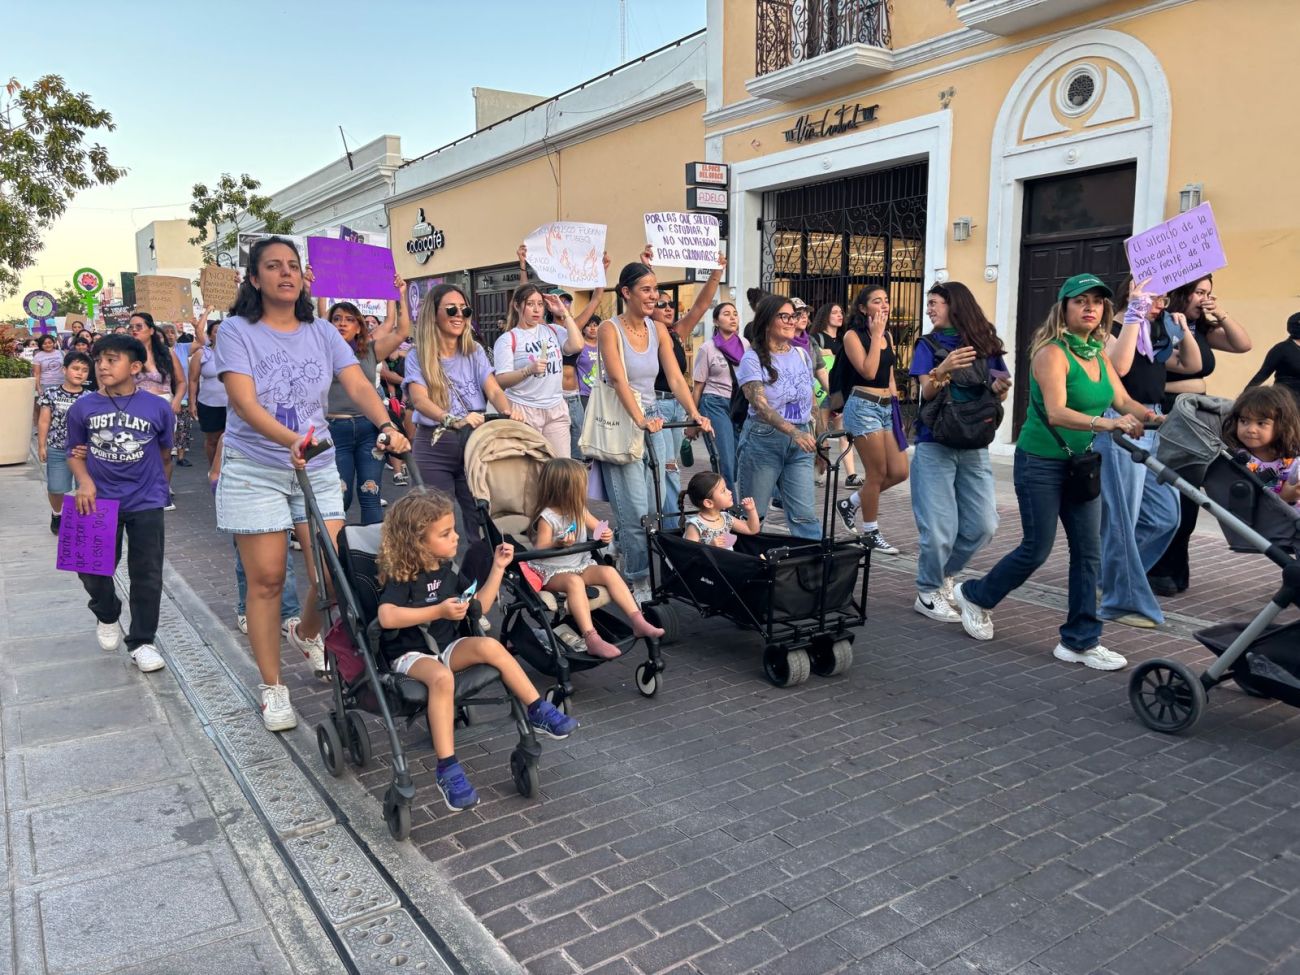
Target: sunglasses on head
<point>458,311</point>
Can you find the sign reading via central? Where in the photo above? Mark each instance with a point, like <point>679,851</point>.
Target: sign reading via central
<point>846,118</point>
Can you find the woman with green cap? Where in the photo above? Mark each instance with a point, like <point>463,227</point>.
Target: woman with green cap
<point>1072,385</point>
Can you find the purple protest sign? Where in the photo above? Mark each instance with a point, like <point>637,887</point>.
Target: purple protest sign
<point>344,269</point>
<point>1176,252</point>
<point>88,543</point>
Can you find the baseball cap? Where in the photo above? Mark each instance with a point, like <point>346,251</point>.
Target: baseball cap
<point>559,292</point>
<point>799,304</point>
<point>1082,283</point>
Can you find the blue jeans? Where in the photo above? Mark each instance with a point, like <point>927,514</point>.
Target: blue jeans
<point>718,410</point>
<point>576,415</point>
<point>670,480</point>
<point>955,507</point>
<point>770,461</point>
<point>354,439</point>
<point>289,606</point>
<point>631,493</point>
<point>1040,485</point>
<point>1141,517</point>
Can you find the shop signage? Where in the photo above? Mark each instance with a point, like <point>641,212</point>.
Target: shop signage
<point>425,239</point>
<point>705,198</point>
<point>498,279</point>
<point>837,121</point>
<point>707,174</point>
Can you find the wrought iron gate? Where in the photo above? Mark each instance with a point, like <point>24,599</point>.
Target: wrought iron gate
<point>824,241</point>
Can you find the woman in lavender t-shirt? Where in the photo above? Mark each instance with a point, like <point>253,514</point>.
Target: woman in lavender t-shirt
<point>277,360</point>
<point>450,382</point>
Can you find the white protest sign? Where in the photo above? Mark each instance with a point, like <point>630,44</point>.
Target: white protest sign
<point>568,254</point>
<point>683,239</point>
<point>1183,249</point>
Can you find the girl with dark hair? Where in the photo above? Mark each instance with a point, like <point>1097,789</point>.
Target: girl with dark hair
<point>714,375</point>
<point>208,400</point>
<point>953,495</point>
<point>632,349</point>
<point>277,360</point>
<point>1214,330</point>
<point>1263,428</point>
<point>529,357</point>
<point>353,434</point>
<point>47,369</point>
<point>869,390</point>
<point>777,441</point>
<point>827,334</point>
<point>449,382</point>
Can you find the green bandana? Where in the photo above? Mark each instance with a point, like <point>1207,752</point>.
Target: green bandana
<point>1083,348</point>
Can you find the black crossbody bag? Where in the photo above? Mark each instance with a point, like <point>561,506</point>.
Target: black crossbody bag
<point>1082,470</point>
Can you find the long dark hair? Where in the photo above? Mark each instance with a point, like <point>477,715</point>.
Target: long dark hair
<point>1182,295</point>
<point>858,320</point>
<point>822,320</point>
<point>248,302</point>
<point>360,344</point>
<point>158,348</point>
<point>968,318</point>
<point>764,316</point>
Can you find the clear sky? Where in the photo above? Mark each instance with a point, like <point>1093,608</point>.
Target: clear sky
<point>198,89</point>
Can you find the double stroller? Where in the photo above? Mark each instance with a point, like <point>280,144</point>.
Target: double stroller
<point>1262,658</point>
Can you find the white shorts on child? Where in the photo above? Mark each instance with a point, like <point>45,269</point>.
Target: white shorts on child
<point>403,664</point>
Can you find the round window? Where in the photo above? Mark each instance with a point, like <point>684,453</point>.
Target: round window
<point>1078,90</point>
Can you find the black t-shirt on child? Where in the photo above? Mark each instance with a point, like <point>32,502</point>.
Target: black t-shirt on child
<point>426,589</point>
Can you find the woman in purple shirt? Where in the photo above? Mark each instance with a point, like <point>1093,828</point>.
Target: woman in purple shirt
<point>277,360</point>
<point>450,383</point>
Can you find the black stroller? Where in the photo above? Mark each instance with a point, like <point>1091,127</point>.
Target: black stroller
<point>1262,658</point>
<point>359,681</point>
<point>801,596</point>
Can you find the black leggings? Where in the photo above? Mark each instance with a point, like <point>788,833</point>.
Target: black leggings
<point>1174,564</point>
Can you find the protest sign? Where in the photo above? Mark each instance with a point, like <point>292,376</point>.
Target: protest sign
<point>683,239</point>
<point>87,543</point>
<point>74,320</point>
<point>246,242</point>
<point>219,286</point>
<point>568,254</point>
<point>1177,252</point>
<point>164,297</point>
<point>344,269</point>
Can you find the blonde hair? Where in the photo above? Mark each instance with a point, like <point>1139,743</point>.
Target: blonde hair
<point>428,348</point>
<point>562,487</point>
<point>1053,328</point>
<point>403,554</point>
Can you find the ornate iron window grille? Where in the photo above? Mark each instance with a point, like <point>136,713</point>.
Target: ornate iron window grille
<point>792,31</point>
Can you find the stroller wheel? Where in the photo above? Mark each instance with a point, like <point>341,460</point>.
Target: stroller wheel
<point>557,697</point>
<point>1166,695</point>
<point>528,781</point>
<point>331,747</point>
<point>830,658</point>
<point>647,679</point>
<point>397,815</point>
<point>664,615</point>
<point>786,668</point>
<point>358,740</point>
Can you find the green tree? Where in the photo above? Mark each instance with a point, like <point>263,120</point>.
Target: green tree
<point>44,162</point>
<point>68,299</point>
<point>224,204</point>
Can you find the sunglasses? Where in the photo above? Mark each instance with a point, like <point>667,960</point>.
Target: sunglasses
<point>663,304</point>
<point>458,311</point>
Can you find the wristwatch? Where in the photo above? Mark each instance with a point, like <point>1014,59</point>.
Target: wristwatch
<point>390,423</point>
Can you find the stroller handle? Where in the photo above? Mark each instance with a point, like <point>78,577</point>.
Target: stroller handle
<point>555,553</point>
<point>679,425</point>
<point>832,435</point>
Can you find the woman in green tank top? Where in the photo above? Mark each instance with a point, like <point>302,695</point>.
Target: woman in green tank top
<point>1072,384</point>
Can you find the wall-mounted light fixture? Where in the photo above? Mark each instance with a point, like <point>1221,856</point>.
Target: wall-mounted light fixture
<point>961,228</point>
<point>1190,196</point>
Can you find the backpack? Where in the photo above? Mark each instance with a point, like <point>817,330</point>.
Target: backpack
<point>966,413</point>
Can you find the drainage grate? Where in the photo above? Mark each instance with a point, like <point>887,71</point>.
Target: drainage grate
<point>391,943</point>
<point>287,798</point>
<point>343,880</point>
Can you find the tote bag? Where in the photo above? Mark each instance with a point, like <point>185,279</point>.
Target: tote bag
<point>608,432</point>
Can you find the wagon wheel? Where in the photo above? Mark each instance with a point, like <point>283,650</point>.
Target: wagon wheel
<point>830,658</point>
<point>786,668</point>
<point>664,615</point>
<point>1166,695</point>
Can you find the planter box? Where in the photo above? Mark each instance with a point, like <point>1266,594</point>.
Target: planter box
<point>16,399</point>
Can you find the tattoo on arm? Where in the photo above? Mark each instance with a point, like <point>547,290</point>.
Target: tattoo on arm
<point>762,409</point>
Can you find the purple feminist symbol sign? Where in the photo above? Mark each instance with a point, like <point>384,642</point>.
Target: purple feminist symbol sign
<point>87,543</point>
<point>1176,252</point>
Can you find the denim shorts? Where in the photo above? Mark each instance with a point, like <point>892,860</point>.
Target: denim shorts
<point>403,664</point>
<point>862,416</point>
<point>253,499</point>
<point>58,479</point>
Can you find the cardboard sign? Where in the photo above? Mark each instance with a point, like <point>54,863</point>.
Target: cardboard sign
<point>683,239</point>
<point>219,286</point>
<point>166,298</point>
<point>568,254</point>
<point>246,242</point>
<point>88,543</point>
<point>75,320</point>
<point>346,269</point>
<point>1178,251</point>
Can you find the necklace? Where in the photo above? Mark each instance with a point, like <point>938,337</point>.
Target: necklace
<point>120,408</point>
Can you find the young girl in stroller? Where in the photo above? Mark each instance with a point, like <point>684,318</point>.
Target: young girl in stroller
<point>1265,424</point>
<point>560,518</point>
<point>713,523</point>
<point>424,590</point>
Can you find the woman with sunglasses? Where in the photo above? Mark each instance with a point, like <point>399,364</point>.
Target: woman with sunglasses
<point>449,383</point>
<point>529,362</point>
<point>162,374</point>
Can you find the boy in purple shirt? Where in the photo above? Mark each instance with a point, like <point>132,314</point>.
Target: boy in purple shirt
<point>117,439</point>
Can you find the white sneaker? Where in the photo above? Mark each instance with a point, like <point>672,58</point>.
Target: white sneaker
<point>313,649</point>
<point>946,591</point>
<point>820,479</point>
<point>147,658</point>
<point>277,712</point>
<point>975,620</point>
<point>286,625</point>
<point>242,622</point>
<point>933,605</point>
<point>109,636</point>
<point>1098,657</point>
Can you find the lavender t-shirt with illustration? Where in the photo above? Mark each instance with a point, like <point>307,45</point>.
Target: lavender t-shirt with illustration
<point>465,378</point>
<point>292,372</point>
<point>124,438</point>
<point>791,394</point>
